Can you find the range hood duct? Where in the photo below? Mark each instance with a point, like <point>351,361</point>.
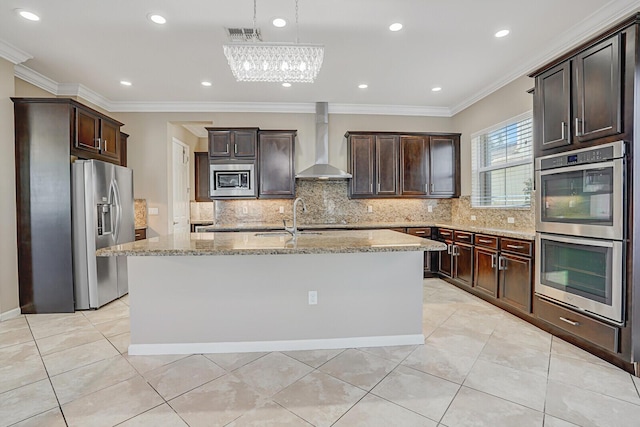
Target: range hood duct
<point>322,169</point>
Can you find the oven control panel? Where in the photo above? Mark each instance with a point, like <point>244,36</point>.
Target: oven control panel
<point>579,157</point>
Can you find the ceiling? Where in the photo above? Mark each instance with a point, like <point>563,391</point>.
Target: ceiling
<point>86,47</point>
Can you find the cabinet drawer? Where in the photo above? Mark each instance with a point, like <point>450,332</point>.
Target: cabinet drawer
<point>445,233</point>
<point>463,236</point>
<point>490,242</point>
<point>592,330</point>
<point>419,231</point>
<point>520,247</point>
<point>141,233</point>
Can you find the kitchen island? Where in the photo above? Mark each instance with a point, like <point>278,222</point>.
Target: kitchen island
<point>247,292</point>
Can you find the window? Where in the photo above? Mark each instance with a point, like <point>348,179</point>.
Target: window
<point>502,164</point>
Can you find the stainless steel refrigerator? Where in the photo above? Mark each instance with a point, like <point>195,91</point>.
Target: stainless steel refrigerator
<point>102,216</point>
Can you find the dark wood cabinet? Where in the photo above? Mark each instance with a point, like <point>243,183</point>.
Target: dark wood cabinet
<point>96,136</point>
<point>140,234</point>
<point>393,164</point>
<point>124,141</point>
<point>233,143</point>
<point>552,108</point>
<point>276,164</point>
<point>201,184</point>
<point>463,263</point>
<point>424,232</point>
<point>445,260</point>
<point>457,261</point>
<point>486,271</point>
<point>515,280</point>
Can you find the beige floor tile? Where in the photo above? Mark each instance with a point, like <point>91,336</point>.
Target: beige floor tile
<point>20,365</point>
<point>314,358</point>
<point>608,380</point>
<point>121,342</point>
<point>114,327</point>
<point>183,375</point>
<point>75,357</point>
<point>13,324</point>
<point>125,299</point>
<point>373,411</point>
<point>481,321</point>
<point>51,418</point>
<point>88,379</point>
<point>524,358</point>
<point>40,319</point>
<point>474,408</point>
<point>359,368</point>
<point>422,393</point>
<point>22,403</point>
<point>563,348</point>
<point>160,416</point>
<point>588,409</point>
<point>114,310</point>
<point>518,331</point>
<point>441,363</point>
<point>457,341</point>
<point>394,353</point>
<point>144,364</point>
<point>218,402</point>
<point>233,361</point>
<point>507,383</point>
<point>272,373</point>
<point>67,340</point>
<point>45,325</point>
<point>550,421</point>
<point>319,398</point>
<point>112,405</point>
<point>269,415</point>
<point>15,336</point>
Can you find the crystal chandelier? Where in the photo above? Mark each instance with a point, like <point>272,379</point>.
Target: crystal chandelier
<point>257,61</point>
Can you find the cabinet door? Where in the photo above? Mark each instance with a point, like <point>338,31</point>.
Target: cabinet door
<point>110,136</point>
<point>277,178</point>
<point>87,128</point>
<point>553,107</point>
<point>361,152</point>
<point>486,271</point>
<point>244,143</point>
<point>515,281</point>
<point>463,255</point>
<point>202,177</point>
<point>387,165</point>
<point>445,264</point>
<point>443,167</point>
<point>414,152</point>
<point>598,91</point>
<point>219,143</point>
<point>123,148</point>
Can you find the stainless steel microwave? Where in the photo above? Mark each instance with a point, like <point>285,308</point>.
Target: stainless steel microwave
<point>232,180</point>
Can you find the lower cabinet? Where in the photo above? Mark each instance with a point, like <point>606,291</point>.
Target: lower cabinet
<point>424,232</point>
<point>486,270</point>
<point>141,234</point>
<point>457,261</point>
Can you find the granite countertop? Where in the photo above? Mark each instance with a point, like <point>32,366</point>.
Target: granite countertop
<point>516,234</point>
<point>251,243</point>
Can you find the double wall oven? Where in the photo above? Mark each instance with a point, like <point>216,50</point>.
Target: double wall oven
<point>580,229</point>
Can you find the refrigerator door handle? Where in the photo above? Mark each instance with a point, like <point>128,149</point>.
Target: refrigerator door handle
<point>115,202</point>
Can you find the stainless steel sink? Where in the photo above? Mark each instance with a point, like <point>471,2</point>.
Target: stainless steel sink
<point>284,233</point>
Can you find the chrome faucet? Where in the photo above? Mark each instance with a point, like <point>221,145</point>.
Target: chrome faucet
<point>294,230</point>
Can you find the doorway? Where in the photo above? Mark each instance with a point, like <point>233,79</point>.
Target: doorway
<point>180,168</point>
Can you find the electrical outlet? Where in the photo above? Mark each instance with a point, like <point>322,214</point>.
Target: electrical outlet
<point>429,208</point>
<point>153,211</point>
<point>313,297</point>
<point>245,210</point>
<point>473,218</point>
<point>369,208</point>
<point>511,220</point>
<point>281,209</point>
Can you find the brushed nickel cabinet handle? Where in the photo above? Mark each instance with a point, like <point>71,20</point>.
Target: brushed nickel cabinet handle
<point>502,263</point>
<point>484,241</point>
<point>370,188</point>
<point>420,232</point>
<point>563,135</point>
<point>515,247</point>
<point>235,148</point>
<point>493,260</point>
<point>578,121</point>
<point>571,322</point>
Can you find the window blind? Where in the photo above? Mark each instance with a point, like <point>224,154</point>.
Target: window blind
<point>502,164</point>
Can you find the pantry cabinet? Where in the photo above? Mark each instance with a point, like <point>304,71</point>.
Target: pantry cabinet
<point>201,168</point>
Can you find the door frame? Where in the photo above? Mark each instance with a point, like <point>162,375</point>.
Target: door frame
<point>171,197</point>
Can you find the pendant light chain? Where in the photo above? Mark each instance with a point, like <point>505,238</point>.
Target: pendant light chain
<point>297,26</point>
<point>255,31</point>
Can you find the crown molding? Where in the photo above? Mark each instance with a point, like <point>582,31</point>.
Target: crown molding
<point>81,91</point>
<point>36,79</point>
<point>390,110</point>
<point>12,53</point>
<point>209,107</point>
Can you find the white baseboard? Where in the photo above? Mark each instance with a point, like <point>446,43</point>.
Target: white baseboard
<point>10,314</point>
<point>266,346</point>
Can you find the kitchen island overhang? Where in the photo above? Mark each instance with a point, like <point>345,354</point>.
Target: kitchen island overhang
<point>248,292</point>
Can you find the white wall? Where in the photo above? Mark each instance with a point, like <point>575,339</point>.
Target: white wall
<point>9,302</point>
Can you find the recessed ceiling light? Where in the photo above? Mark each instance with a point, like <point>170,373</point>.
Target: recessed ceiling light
<point>285,84</point>
<point>279,22</point>
<point>363,86</point>
<point>205,83</point>
<point>125,83</point>
<point>502,33</point>
<point>395,26</point>
<point>436,89</point>
<point>158,19</point>
<point>27,15</point>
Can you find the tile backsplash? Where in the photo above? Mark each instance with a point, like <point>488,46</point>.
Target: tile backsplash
<point>140,213</point>
<point>327,203</point>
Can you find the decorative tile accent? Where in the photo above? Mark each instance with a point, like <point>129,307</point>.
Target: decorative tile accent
<point>140,212</point>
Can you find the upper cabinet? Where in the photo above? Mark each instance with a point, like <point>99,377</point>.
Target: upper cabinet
<point>389,164</point>
<point>96,136</point>
<point>238,143</point>
<point>276,174</point>
<point>580,101</point>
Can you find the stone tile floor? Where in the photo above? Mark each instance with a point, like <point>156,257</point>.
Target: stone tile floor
<point>479,366</point>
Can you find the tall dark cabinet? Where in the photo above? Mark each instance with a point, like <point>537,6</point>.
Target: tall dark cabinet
<point>276,174</point>
<point>46,136</point>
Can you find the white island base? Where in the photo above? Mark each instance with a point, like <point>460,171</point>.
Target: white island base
<point>255,303</point>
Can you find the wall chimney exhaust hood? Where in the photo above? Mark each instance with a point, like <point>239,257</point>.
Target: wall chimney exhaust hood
<point>322,169</point>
